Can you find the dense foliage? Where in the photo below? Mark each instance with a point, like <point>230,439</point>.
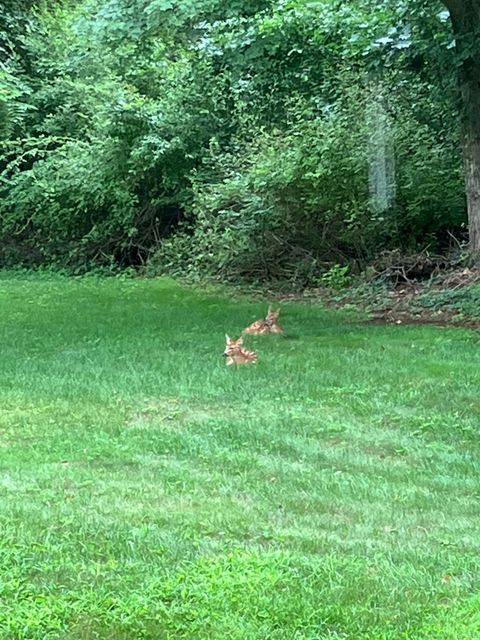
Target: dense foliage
<point>231,139</point>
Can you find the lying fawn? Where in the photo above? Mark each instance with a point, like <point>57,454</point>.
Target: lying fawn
<point>235,353</point>
<point>269,325</point>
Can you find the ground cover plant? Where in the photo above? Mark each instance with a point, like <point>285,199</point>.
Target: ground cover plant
<point>149,491</point>
<point>449,295</point>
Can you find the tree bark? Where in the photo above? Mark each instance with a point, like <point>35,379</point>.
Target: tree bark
<point>465,18</point>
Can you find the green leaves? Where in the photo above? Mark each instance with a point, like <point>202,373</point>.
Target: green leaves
<point>229,113</point>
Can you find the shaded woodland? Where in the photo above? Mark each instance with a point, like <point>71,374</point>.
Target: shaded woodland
<point>253,140</point>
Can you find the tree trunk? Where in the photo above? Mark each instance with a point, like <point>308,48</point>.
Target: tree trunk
<point>471,96</point>
<point>465,17</point>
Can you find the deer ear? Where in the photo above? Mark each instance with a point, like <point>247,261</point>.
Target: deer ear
<point>240,340</point>
<point>269,310</point>
<point>227,338</point>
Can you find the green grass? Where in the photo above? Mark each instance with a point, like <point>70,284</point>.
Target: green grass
<point>149,491</point>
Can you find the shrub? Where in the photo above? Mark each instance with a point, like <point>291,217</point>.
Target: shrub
<point>295,202</point>
<point>280,207</point>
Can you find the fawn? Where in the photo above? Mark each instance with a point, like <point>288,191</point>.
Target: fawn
<point>235,353</point>
<point>269,325</point>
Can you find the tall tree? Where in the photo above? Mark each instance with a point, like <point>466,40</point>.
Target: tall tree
<point>465,17</point>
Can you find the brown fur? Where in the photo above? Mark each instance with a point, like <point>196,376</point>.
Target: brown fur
<point>235,352</point>
<point>269,325</point>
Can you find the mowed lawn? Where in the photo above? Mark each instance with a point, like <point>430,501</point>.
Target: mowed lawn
<point>331,491</point>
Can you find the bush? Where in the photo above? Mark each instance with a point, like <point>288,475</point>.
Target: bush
<point>70,206</point>
<point>295,202</point>
<point>117,127</point>
<point>275,204</point>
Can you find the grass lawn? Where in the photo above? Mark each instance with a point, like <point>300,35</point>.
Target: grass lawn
<point>148,491</point>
